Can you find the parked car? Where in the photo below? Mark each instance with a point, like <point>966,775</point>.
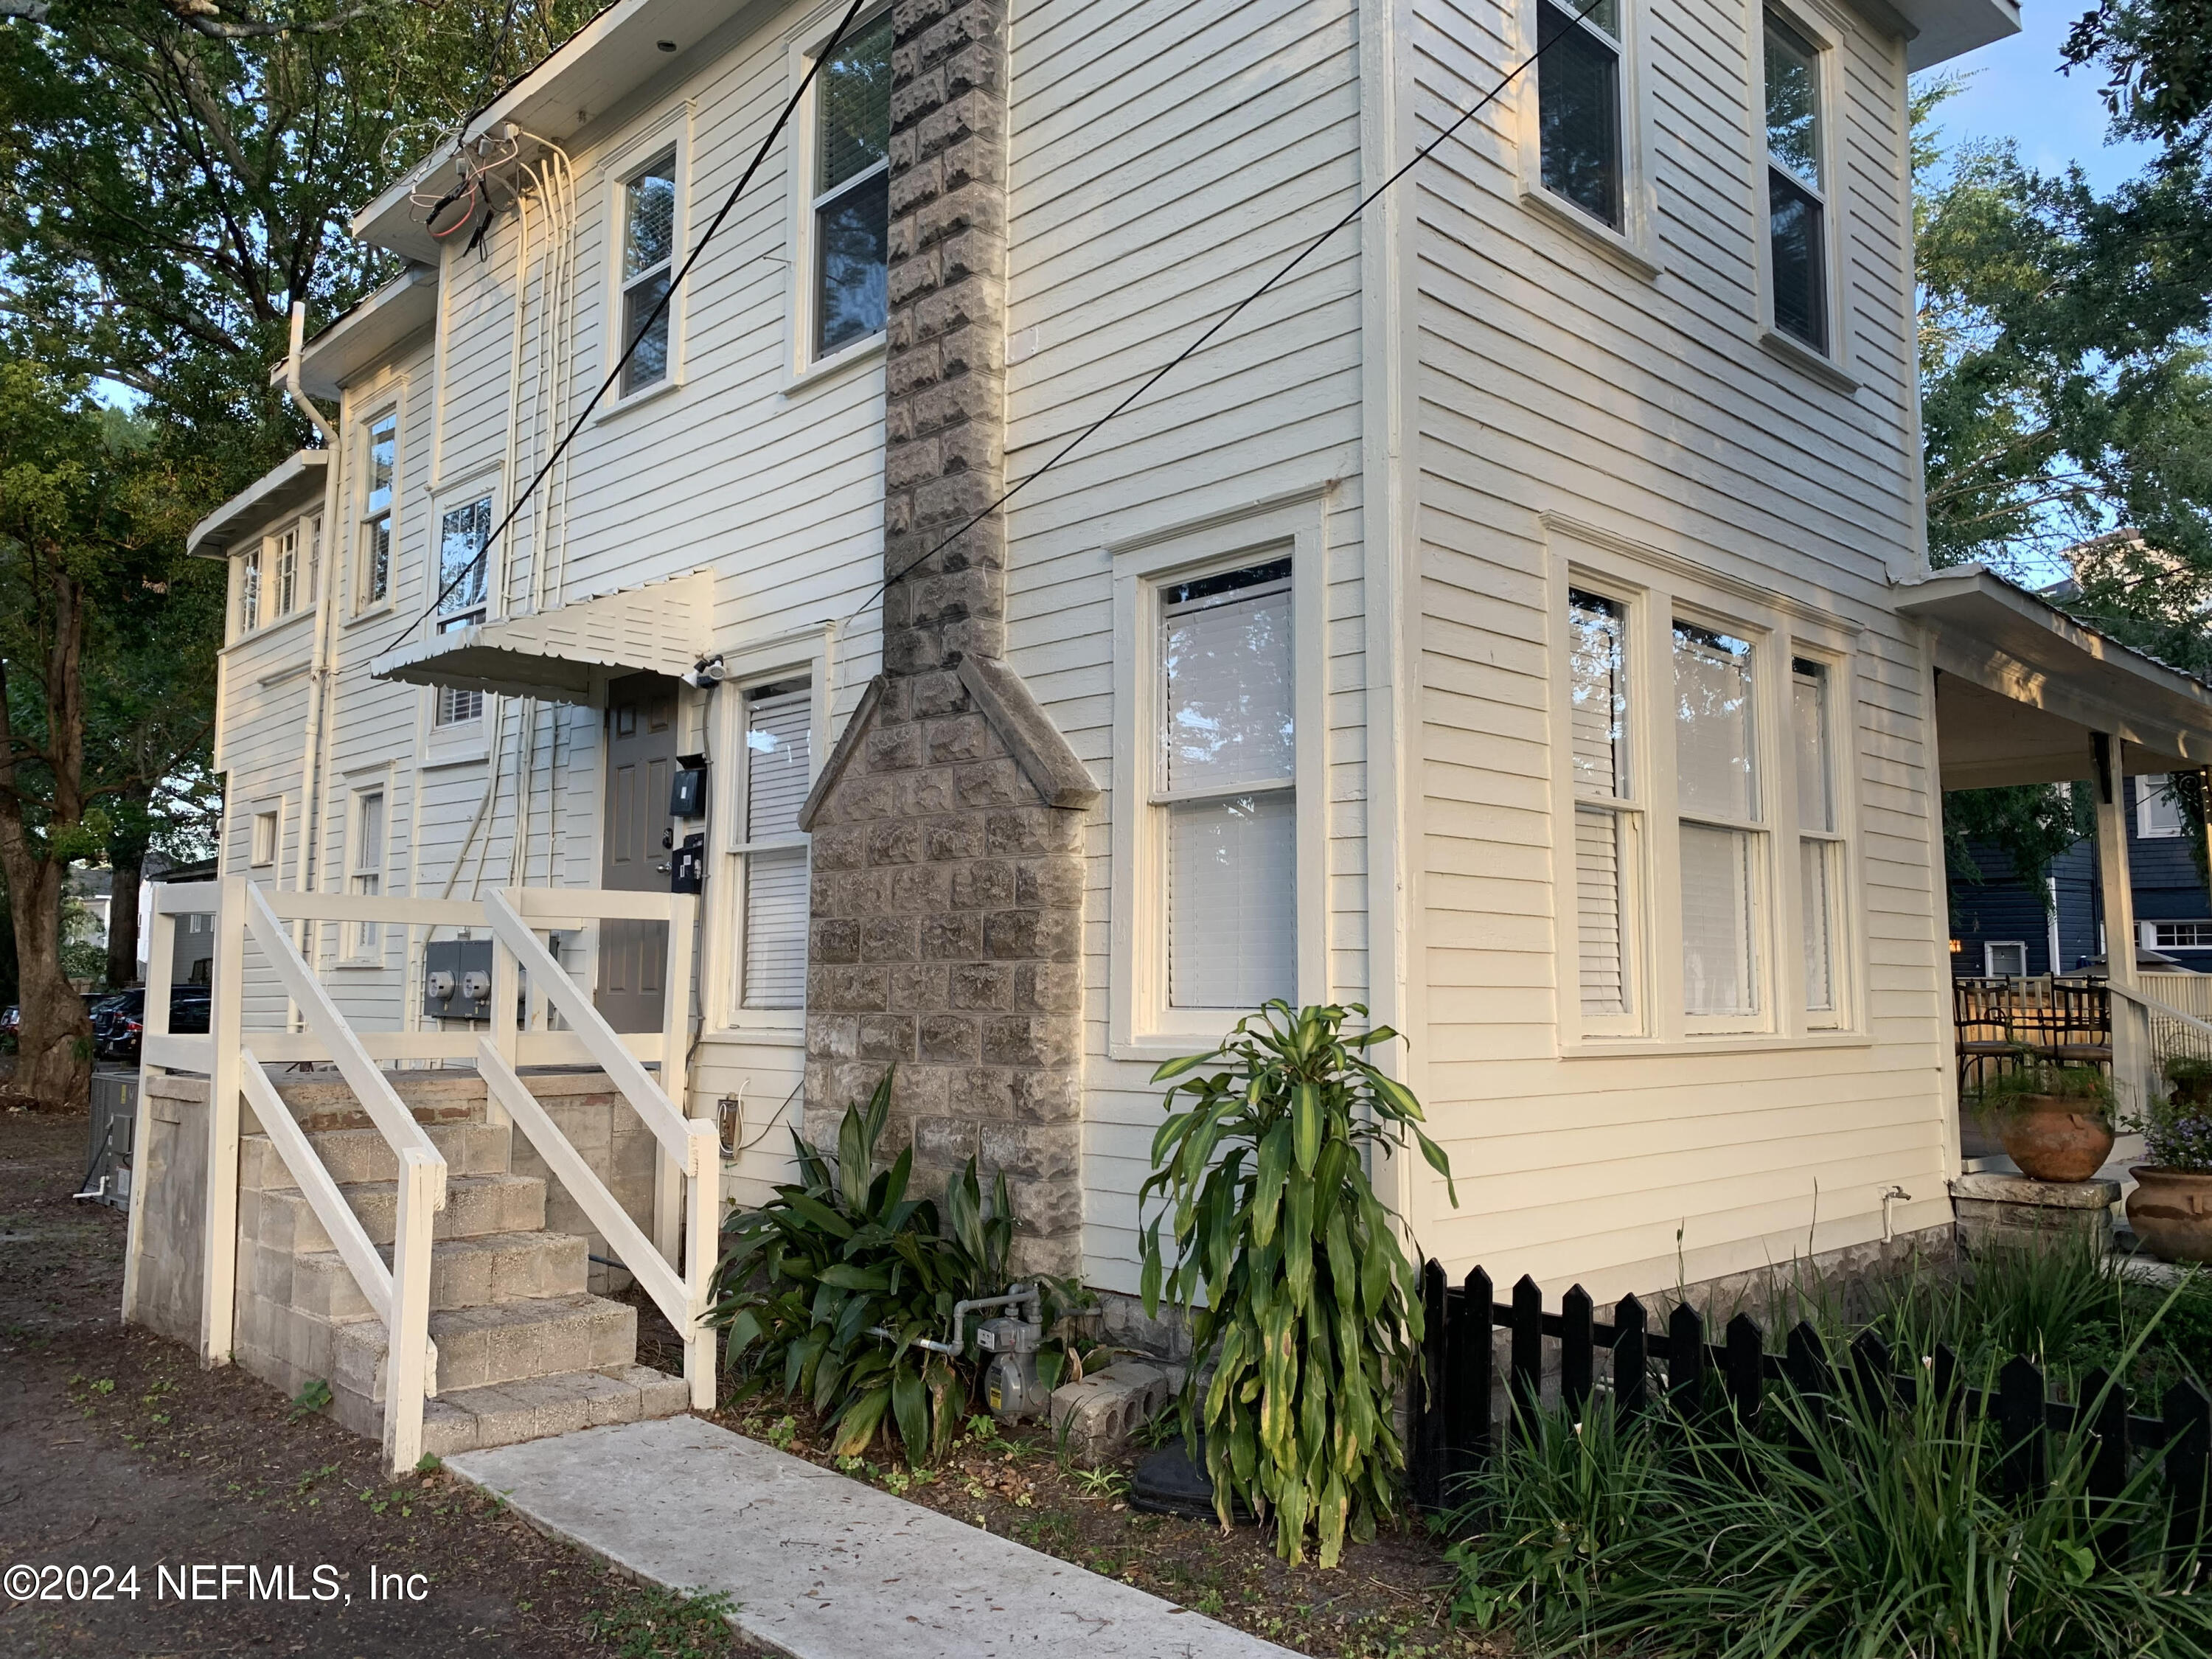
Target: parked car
<point>122,1022</point>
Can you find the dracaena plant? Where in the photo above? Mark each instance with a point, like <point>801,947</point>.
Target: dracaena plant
<point>809,1283</point>
<point>1305,1307</point>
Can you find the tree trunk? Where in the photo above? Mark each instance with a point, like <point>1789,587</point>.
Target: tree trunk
<point>54,1057</point>
<point>126,863</point>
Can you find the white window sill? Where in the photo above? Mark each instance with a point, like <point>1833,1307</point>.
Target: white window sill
<point>381,608</point>
<point>465,750</point>
<point>1631,254</point>
<point>1798,355</point>
<point>821,369</point>
<point>357,964</point>
<point>775,1036</point>
<point>628,401</point>
<point>1634,1048</point>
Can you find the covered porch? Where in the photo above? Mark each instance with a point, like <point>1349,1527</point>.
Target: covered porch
<point>2026,694</point>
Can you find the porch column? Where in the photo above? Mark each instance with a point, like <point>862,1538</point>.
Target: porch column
<point>2113,880</point>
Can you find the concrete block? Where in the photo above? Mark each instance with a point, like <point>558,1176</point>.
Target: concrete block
<point>1098,1417</point>
<point>2001,1211</point>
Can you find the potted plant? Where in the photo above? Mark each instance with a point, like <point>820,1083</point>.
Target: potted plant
<point>1305,1308</point>
<point>2054,1120</point>
<point>2170,1207</point>
<point>2189,1078</point>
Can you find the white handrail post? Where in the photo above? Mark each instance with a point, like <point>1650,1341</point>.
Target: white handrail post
<point>407,1377</point>
<point>703,1226</point>
<point>161,968</point>
<point>675,1038</point>
<point>219,1243</point>
<point>506,1036</point>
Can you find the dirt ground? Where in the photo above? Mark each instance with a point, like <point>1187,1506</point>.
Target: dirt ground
<point>117,1452</point>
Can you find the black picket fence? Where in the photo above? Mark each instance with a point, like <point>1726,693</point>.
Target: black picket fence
<point>1452,1433</point>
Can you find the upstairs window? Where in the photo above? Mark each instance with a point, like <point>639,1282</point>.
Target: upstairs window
<point>1796,190</point>
<point>1578,102</point>
<point>365,873</point>
<point>1225,785</point>
<point>648,261</point>
<point>249,591</point>
<point>2158,814</point>
<point>851,209</point>
<point>265,838</point>
<point>778,771</point>
<point>374,577</point>
<point>462,534</point>
<point>287,574</point>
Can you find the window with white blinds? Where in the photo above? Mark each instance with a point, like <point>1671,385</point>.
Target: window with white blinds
<point>365,864</point>
<point>1717,798</point>
<point>777,770</point>
<point>1819,840</point>
<point>1606,817</point>
<point>1225,788</point>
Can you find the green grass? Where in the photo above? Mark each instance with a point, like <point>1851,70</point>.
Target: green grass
<point>648,1622</point>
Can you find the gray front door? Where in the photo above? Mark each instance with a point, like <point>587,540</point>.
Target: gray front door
<point>640,751</point>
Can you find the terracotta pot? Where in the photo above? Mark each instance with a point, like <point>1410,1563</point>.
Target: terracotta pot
<point>2052,1139</point>
<point>2171,1211</point>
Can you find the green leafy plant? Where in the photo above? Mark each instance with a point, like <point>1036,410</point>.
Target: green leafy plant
<point>315,1394</point>
<point>1305,1307</point>
<point>2177,1130</point>
<point>2085,1089</point>
<point>1851,1525</point>
<point>649,1622</point>
<point>809,1283</point>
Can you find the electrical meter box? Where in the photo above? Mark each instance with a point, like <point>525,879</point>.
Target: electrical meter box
<point>456,978</point>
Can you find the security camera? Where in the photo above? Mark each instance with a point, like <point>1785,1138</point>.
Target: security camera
<point>706,671</point>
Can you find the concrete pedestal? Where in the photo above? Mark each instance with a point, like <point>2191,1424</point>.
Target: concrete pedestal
<point>2001,1210</point>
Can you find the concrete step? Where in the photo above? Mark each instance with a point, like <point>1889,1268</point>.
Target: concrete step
<point>321,1099</point>
<point>352,1155</point>
<point>504,1342</point>
<point>476,1206</point>
<point>465,1272</point>
<point>470,1419</point>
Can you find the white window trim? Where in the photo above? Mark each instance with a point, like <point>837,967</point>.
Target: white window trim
<point>1990,947</point>
<point>2151,942</point>
<point>807,652</point>
<point>801,367</point>
<point>669,131</point>
<point>1655,588</point>
<point>1142,1025</point>
<point>392,401</point>
<point>1635,244</point>
<point>1843,963</point>
<point>378,781</point>
<point>2146,799</point>
<point>484,483</point>
<point>1829,36</point>
<point>271,806</point>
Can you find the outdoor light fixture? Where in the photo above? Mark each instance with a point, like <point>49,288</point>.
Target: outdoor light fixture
<point>706,671</point>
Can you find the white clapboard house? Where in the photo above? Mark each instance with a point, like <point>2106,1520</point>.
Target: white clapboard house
<point>1518,621</point>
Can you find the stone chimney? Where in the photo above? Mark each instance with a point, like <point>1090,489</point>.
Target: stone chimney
<point>947,822</point>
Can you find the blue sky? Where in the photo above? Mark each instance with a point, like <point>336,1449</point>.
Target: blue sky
<point>2015,90</point>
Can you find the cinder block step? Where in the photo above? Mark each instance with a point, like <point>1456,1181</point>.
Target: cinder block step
<point>467,1420</point>
<point>355,1155</point>
<point>505,1342</point>
<point>322,1099</point>
<point>465,1272</point>
<point>475,1205</point>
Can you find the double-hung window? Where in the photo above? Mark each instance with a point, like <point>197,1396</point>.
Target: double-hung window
<point>265,837</point>
<point>373,580</point>
<point>288,574</point>
<point>777,772</point>
<point>462,583</point>
<point>249,590</point>
<point>1225,785</point>
<point>850,209</point>
<point>1720,824</point>
<point>364,865</point>
<point>1819,836</point>
<point>1578,105</point>
<point>648,261</point>
<point>1609,821</point>
<point>2158,814</point>
<point>1796,188</point>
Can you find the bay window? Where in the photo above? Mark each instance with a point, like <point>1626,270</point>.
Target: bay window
<point>1726,713</point>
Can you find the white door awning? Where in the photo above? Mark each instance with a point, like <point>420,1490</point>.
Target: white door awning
<point>567,654</point>
<point>2023,689</point>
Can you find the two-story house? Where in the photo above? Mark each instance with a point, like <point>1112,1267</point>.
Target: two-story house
<point>1516,620</point>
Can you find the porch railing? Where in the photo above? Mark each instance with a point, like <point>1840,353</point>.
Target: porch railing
<point>518,1033</point>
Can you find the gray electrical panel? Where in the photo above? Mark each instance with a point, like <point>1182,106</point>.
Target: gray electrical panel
<point>456,978</point>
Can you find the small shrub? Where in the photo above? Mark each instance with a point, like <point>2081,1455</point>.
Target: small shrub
<point>2178,1132</point>
<point>1298,1289</point>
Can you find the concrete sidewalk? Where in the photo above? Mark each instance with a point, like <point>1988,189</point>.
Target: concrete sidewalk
<point>824,1567</point>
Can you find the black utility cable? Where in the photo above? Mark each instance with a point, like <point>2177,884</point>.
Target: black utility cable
<point>699,247</point>
<point>1231,315</point>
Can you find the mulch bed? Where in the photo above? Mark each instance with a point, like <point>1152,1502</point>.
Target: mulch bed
<point>1387,1599</point>
<point>116,1449</point>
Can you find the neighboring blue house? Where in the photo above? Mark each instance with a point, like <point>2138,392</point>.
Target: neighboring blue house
<point>2001,926</point>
